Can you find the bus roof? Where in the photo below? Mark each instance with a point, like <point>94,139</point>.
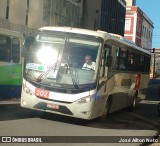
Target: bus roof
<point>127,42</point>
<point>98,33</point>
<point>74,30</point>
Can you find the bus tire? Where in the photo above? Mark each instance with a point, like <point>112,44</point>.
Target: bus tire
<point>133,104</point>
<point>106,109</point>
<point>158,108</point>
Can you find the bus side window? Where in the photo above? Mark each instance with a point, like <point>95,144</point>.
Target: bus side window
<point>130,61</point>
<point>123,59</point>
<point>136,63</point>
<point>142,63</point>
<point>148,64</point>
<point>103,67</point>
<point>102,64</point>
<point>107,59</point>
<point>15,50</point>
<point>115,50</point>
<point>5,48</point>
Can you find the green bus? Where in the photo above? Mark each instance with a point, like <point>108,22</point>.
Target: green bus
<point>10,64</point>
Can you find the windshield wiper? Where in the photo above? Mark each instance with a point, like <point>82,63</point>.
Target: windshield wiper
<point>74,74</point>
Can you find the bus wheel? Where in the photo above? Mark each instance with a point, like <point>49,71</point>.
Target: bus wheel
<point>106,110</point>
<point>158,108</point>
<point>133,104</point>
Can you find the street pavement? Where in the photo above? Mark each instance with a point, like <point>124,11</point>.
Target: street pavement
<point>55,128</point>
<point>152,95</point>
<point>31,127</point>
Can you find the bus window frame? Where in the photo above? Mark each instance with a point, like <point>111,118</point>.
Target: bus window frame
<point>17,58</point>
<point>136,59</point>
<point>7,48</point>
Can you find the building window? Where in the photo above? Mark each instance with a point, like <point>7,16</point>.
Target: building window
<point>127,24</point>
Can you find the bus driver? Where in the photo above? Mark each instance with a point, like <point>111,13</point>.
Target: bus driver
<point>88,63</point>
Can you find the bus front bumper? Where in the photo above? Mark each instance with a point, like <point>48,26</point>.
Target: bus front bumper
<point>83,111</point>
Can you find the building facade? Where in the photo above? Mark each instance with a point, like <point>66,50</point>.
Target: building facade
<point>62,12</point>
<point>147,32</point>
<point>37,13</point>
<point>106,15</point>
<point>130,2</point>
<point>138,27</point>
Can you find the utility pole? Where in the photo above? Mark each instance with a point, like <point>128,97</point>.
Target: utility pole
<point>27,11</point>
<point>7,9</point>
<point>96,21</point>
<point>154,61</point>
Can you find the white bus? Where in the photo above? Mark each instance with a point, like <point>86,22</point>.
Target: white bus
<point>55,81</point>
<point>10,64</point>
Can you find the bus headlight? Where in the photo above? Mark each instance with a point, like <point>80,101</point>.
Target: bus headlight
<point>27,90</point>
<point>84,100</point>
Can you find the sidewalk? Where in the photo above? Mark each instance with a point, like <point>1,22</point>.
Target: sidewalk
<point>10,101</point>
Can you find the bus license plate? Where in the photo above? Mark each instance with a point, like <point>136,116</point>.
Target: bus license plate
<point>53,106</point>
<point>41,93</point>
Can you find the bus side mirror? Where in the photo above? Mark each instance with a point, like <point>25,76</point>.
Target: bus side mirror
<point>26,50</point>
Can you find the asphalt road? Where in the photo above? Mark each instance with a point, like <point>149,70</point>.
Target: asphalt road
<point>17,121</point>
<point>144,121</point>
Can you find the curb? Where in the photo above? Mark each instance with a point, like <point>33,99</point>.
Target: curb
<point>13,101</point>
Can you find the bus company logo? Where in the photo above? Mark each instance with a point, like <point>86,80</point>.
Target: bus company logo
<point>14,75</point>
<point>126,82</point>
<point>6,139</point>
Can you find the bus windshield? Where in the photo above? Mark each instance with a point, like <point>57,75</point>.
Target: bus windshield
<point>63,60</point>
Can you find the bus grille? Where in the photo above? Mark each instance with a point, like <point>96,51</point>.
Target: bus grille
<point>62,109</point>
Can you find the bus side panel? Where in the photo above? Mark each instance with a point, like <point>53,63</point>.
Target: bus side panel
<point>10,81</point>
<point>124,90</point>
<point>10,91</point>
<point>121,87</point>
<point>144,81</point>
<point>102,95</point>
